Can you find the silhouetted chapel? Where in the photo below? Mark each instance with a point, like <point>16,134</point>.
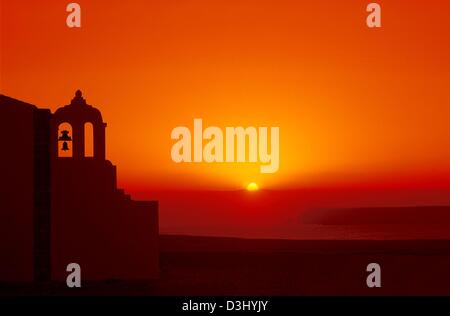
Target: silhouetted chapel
<point>63,205</point>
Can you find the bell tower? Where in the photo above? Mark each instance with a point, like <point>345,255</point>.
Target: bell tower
<point>68,131</point>
<point>92,220</point>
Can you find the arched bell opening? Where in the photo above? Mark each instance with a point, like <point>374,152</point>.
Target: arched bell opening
<point>65,140</point>
<point>88,140</point>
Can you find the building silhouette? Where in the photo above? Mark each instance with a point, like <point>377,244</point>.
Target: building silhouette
<point>62,204</point>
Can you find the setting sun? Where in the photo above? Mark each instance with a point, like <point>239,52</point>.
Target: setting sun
<point>252,187</point>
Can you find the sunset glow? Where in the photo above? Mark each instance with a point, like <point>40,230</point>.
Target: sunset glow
<point>238,149</point>
<point>354,105</point>
<point>252,187</point>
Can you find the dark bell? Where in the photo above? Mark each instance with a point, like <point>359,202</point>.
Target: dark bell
<point>65,146</point>
<point>65,136</point>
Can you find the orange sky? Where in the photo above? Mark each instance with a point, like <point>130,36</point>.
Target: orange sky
<point>353,104</point>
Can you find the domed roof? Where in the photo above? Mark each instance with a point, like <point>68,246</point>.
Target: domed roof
<point>79,110</point>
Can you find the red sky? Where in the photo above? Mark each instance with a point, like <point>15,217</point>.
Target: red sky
<point>354,105</point>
